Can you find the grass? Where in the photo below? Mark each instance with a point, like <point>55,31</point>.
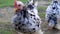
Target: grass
<point>42,10</point>
<point>6,28</point>
<point>4,31</point>
<point>4,3</point>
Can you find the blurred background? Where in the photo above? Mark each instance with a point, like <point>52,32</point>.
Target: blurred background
<point>7,11</point>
